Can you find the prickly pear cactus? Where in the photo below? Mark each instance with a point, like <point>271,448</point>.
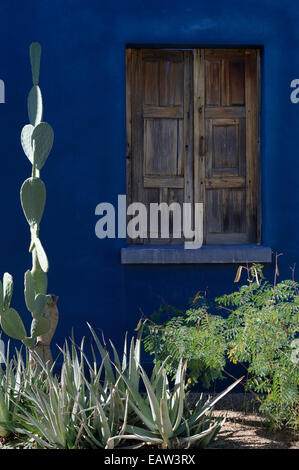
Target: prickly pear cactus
<point>37,141</point>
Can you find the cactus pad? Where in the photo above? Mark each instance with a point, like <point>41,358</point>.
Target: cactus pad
<point>29,291</point>
<point>33,198</point>
<point>35,53</point>
<point>26,142</point>
<point>40,326</point>
<point>40,281</point>
<point>39,305</point>
<point>41,255</point>
<point>35,105</point>
<point>43,136</point>
<point>12,324</point>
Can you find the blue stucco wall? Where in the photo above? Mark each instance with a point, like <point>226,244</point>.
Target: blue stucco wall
<point>83,84</point>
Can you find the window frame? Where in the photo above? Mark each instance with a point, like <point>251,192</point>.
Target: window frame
<point>235,253</point>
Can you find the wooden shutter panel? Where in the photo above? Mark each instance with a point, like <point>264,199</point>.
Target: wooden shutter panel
<point>162,129</point>
<point>193,136</point>
<point>225,116</point>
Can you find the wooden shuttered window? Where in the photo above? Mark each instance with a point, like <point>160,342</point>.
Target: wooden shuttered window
<point>193,136</point>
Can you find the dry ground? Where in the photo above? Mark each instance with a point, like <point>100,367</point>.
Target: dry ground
<point>247,429</point>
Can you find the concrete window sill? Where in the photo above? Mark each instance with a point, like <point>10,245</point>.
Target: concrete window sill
<point>216,254</point>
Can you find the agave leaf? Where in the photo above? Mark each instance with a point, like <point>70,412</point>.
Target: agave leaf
<point>208,406</point>
<point>196,437</point>
<point>124,361</point>
<point>137,402</point>
<point>110,442</point>
<point>155,408</point>
<point>165,420</point>
<point>209,437</point>
<point>133,367</point>
<point>121,384</point>
<point>109,375</point>
<point>180,395</point>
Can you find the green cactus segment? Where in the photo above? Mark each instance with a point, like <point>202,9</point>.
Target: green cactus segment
<point>29,342</point>
<point>26,141</point>
<point>7,290</point>
<point>12,324</point>
<point>41,255</point>
<point>39,305</point>
<point>37,141</point>
<point>40,278</point>
<point>35,105</point>
<point>33,198</point>
<point>40,281</point>
<point>40,326</point>
<point>43,137</point>
<point>35,53</point>
<point>29,291</point>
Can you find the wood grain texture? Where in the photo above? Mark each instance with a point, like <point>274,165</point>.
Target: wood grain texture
<point>193,136</point>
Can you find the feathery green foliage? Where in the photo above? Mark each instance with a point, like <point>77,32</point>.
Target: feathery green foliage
<point>258,330</point>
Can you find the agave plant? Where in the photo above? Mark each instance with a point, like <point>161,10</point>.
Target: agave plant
<point>16,377</point>
<point>75,411</point>
<point>162,412</point>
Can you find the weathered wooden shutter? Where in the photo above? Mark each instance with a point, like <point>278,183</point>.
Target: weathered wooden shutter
<point>161,151</point>
<point>192,133</point>
<point>226,143</point>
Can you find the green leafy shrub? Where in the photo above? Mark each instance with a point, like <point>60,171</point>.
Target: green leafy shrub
<point>196,335</point>
<point>261,326</point>
<point>258,330</point>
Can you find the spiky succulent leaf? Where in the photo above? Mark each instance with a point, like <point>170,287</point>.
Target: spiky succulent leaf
<point>12,324</point>
<point>7,290</point>
<point>40,326</point>
<point>33,198</point>
<point>26,141</point>
<point>154,404</point>
<point>35,53</point>
<point>43,138</point>
<point>196,437</point>
<point>35,105</point>
<point>29,291</point>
